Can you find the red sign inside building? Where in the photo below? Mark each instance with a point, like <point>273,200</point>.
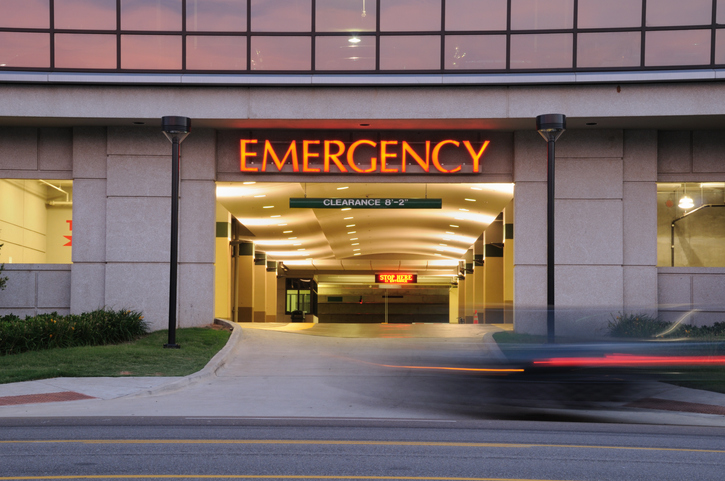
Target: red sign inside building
<point>396,278</point>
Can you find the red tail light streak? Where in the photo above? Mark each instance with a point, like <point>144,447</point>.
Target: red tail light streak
<point>630,360</point>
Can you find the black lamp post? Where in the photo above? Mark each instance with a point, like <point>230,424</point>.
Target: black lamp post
<point>175,129</point>
<point>550,126</point>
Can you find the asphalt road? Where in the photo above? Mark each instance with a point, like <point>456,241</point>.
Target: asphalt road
<point>286,449</point>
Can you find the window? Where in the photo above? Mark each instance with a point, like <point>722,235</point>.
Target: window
<point>73,50</point>
<point>216,16</point>
<point>24,49</point>
<point>609,14</point>
<point>410,52</point>
<point>85,14</point>
<point>677,47</point>
<point>537,51</point>
<point>281,15</point>
<point>476,14</point>
<point>216,53</point>
<point>24,13</point>
<point>541,14</point>
<point>36,221</point>
<point>484,52</point>
<point>301,296</point>
<point>158,15</point>
<point>337,16</point>
<point>281,53</point>
<point>691,224</point>
<point>609,49</point>
<point>345,53</point>
<point>410,15</point>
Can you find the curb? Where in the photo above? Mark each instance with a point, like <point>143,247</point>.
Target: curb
<point>209,371</point>
<point>492,347</point>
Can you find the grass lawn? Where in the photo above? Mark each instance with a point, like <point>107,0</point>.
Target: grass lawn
<point>707,378</point>
<point>144,357</point>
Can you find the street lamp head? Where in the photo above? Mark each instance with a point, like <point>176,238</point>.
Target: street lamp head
<point>176,127</point>
<point>551,126</point>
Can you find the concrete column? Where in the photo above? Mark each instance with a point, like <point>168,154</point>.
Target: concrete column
<point>453,304</point>
<point>260,286</point>
<point>271,296</point>
<point>640,221</point>
<point>508,263</point>
<point>245,282</point>
<point>493,270</point>
<point>478,280</point>
<point>88,271</point>
<point>470,287</point>
<point>197,228</point>
<point>462,292</point>
<point>222,265</point>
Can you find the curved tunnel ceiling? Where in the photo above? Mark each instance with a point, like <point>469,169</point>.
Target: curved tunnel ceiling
<point>340,239</point>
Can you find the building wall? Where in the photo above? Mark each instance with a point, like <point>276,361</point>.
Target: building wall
<point>36,289</point>
<point>605,230</point>
<point>606,200</point>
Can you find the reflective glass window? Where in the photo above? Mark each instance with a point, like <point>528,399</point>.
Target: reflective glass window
<point>348,16</point>
<point>475,52</point>
<point>151,52</point>
<point>74,50</point>
<point>410,15</point>
<point>609,13</point>
<point>677,47</point>
<point>85,14</point>
<point>23,49</point>
<point>216,15</point>
<point>345,53</point>
<point>281,15</point>
<point>24,13</point>
<point>541,14</point>
<point>720,46</point>
<point>156,15</point>
<point>720,18</point>
<point>609,49</point>
<point>544,51</point>
<point>661,13</point>
<point>476,15</point>
<point>216,53</point>
<point>414,52</point>
<point>281,53</point>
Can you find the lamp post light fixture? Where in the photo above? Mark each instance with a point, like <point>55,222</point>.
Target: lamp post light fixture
<point>175,129</point>
<point>550,126</point>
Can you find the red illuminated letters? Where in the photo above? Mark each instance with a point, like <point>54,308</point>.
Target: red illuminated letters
<point>335,156</point>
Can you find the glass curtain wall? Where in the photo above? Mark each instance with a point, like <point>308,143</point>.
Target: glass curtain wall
<point>341,36</point>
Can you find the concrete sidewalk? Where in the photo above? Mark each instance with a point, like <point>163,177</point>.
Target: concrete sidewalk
<point>303,370</point>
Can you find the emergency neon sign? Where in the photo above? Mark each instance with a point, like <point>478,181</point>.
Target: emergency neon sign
<point>360,157</point>
<point>396,278</point>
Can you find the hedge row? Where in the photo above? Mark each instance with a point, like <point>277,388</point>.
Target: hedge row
<point>47,331</point>
<point>644,326</point>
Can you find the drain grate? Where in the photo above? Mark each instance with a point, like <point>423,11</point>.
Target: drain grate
<point>50,397</point>
<point>681,406</point>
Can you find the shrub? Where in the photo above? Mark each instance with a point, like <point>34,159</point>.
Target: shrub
<point>644,326</point>
<point>638,326</point>
<point>47,331</point>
